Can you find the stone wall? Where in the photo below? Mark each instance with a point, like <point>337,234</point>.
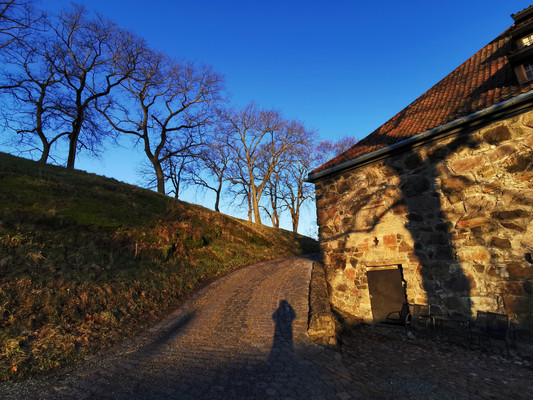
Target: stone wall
<point>456,214</point>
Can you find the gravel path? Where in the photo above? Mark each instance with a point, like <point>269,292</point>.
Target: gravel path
<point>244,337</point>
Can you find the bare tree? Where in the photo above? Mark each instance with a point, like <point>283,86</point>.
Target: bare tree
<point>92,56</point>
<point>326,150</point>
<point>295,191</point>
<point>273,209</point>
<point>178,167</point>
<point>260,141</point>
<point>286,187</point>
<point>237,176</point>
<point>28,86</point>
<point>211,165</point>
<point>16,19</point>
<point>165,104</point>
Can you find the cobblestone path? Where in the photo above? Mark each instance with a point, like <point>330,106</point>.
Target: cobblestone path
<point>243,336</point>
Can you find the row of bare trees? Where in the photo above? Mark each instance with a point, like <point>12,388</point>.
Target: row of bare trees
<point>69,83</point>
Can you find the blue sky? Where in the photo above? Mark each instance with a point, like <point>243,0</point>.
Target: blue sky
<point>342,67</point>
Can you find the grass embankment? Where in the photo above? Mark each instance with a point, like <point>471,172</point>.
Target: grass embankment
<point>86,261</point>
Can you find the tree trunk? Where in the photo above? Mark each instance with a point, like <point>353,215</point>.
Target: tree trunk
<point>275,219</point>
<point>217,200</point>
<point>257,215</point>
<point>73,141</point>
<point>72,147</point>
<point>160,177</point>
<point>45,153</point>
<point>295,216</point>
<point>250,209</point>
<point>39,128</point>
<point>255,202</point>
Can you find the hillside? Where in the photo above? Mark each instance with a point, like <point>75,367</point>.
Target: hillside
<point>86,261</point>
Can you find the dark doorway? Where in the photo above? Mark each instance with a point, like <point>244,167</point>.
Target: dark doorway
<point>387,293</point>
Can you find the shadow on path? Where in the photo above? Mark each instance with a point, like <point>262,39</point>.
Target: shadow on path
<point>283,334</point>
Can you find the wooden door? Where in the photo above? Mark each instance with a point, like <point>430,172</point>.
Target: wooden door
<point>386,292</point>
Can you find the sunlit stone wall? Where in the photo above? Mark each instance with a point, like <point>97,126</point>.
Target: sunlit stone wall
<point>455,213</point>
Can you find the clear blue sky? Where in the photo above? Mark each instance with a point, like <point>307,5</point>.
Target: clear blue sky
<point>343,67</point>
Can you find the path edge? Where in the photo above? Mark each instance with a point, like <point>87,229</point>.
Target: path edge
<point>321,325</point>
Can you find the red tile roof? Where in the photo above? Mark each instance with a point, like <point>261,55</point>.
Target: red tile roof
<point>484,80</point>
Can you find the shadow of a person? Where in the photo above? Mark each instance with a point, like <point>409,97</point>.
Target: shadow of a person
<point>283,317</point>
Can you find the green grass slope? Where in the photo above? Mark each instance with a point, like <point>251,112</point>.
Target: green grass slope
<point>86,261</point>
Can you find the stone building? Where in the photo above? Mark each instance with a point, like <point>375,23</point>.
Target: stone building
<point>436,205</point>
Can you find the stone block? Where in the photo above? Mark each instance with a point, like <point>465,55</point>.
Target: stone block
<point>343,186</point>
<point>468,164</point>
<point>521,163</point>
<point>415,217</point>
<point>512,226</point>
<point>425,203</point>
<point>479,202</point>
<point>454,183</point>
<point>400,209</point>
<point>350,274</point>
<point>413,186</point>
<point>458,283</point>
<point>389,240</point>
<point>528,287</point>
<point>502,152</point>
<point>404,247</point>
<point>497,134</point>
<point>517,270</point>
<point>439,238</point>
<point>341,288</point>
<point>487,171</point>
<point>413,161</point>
<point>491,188</point>
<point>453,304</point>
<point>524,177</point>
<point>518,197</point>
<point>509,214</point>
<point>333,200</point>
<point>479,268</point>
<point>517,304</point>
<point>353,262</point>
<point>478,254</point>
<point>442,226</point>
<point>444,252</point>
<point>472,222</point>
<point>528,140</point>
<point>501,243</point>
<point>438,154</point>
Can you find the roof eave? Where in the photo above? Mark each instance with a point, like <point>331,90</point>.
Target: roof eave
<point>520,103</point>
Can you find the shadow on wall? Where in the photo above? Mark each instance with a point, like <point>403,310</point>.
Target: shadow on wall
<point>443,278</point>
<point>409,188</point>
<point>464,200</point>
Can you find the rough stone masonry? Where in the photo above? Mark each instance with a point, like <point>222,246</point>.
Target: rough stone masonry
<point>454,214</point>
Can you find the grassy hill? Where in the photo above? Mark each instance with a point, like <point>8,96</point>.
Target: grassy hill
<point>86,261</point>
